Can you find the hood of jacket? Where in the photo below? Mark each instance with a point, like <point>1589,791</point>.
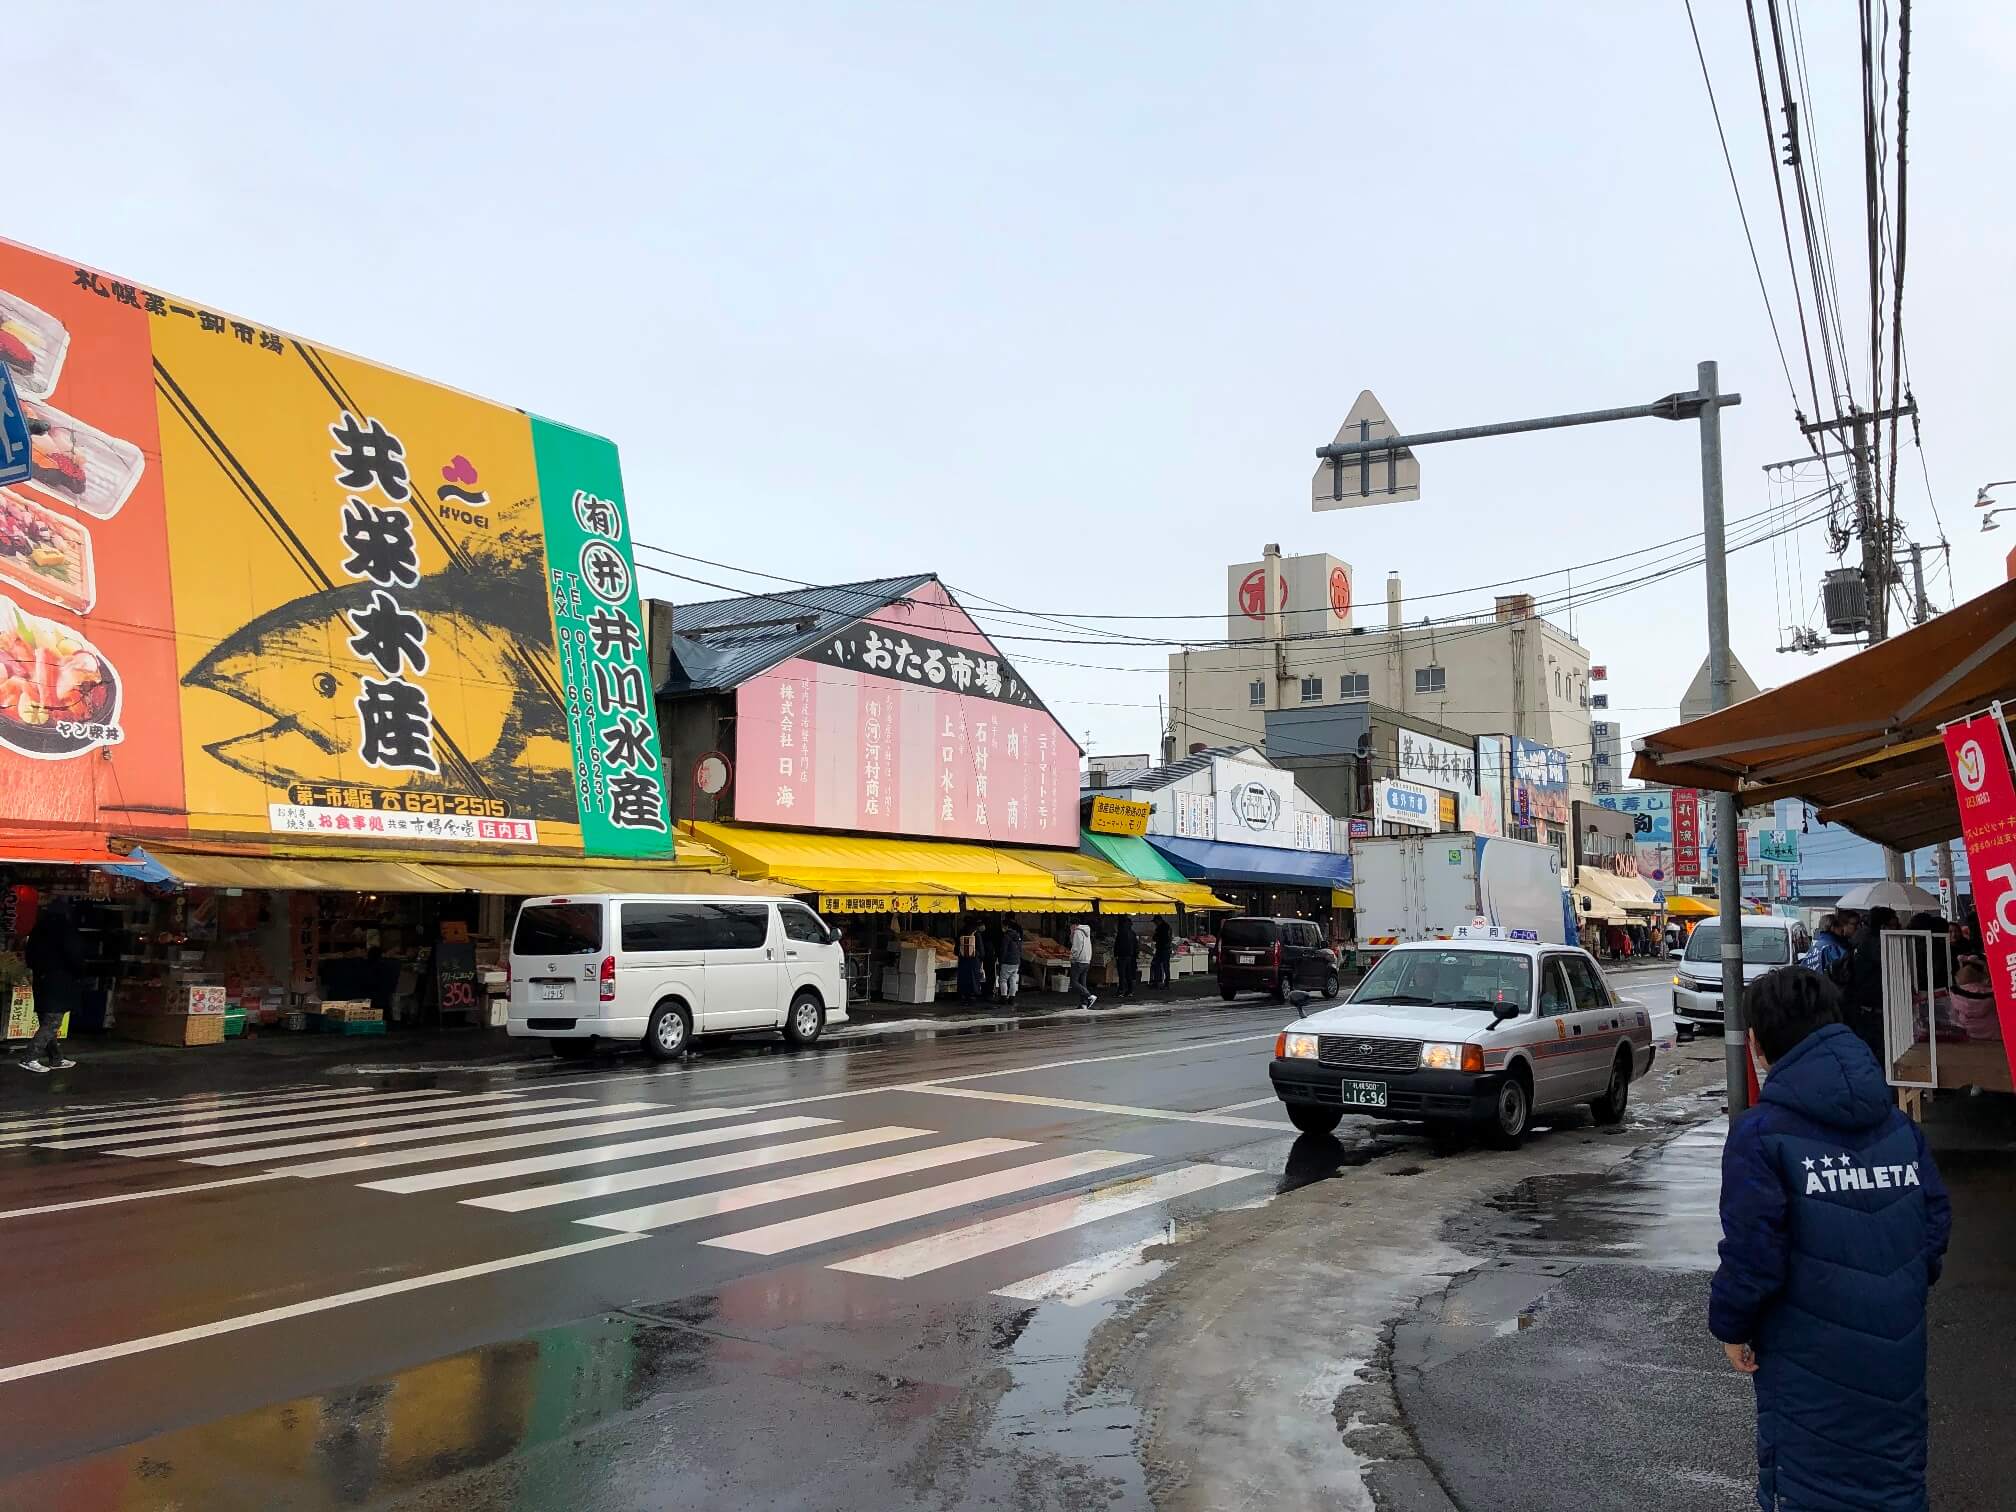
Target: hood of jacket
<point>1831,1078</point>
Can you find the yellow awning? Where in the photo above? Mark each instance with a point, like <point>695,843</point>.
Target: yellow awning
<point>1094,879</point>
<point>984,876</point>
<point>1680,906</point>
<point>300,870</point>
<point>1009,904</point>
<point>1194,896</point>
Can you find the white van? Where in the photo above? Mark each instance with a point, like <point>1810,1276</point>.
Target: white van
<point>1768,943</point>
<point>656,971</point>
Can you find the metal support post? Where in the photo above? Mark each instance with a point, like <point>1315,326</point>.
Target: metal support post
<point>1721,688</point>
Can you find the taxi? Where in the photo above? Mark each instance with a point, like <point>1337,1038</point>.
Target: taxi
<point>1489,1030</point>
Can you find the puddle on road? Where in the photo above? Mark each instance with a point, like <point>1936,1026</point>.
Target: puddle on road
<point>1659,1211</point>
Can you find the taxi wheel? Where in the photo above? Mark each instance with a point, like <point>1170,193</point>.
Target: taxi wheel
<point>807,1020</point>
<point>1512,1114</point>
<point>1609,1108</point>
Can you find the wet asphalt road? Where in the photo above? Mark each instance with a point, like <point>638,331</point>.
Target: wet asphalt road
<point>626,1285</point>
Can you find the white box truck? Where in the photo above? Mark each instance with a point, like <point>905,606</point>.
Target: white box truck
<point>1422,887</point>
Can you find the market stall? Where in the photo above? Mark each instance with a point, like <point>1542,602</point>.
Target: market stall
<point>1866,743</point>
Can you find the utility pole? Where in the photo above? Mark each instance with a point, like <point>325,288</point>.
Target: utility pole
<point>1877,567</point>
<point>1704,404</point>
<point>1721,693</point>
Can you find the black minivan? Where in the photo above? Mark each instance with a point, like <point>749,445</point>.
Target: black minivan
<point>1275,956</point>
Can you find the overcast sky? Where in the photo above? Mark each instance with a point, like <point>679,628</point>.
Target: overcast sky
<point>1056,300</point>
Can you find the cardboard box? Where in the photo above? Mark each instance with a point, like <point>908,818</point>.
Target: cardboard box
<point>917,960</point>
<point>903,987</point>
<point>175,1028</point>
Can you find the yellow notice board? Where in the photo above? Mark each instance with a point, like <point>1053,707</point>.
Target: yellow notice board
<point>1119,816</point>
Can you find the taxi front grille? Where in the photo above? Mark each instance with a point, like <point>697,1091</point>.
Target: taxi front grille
<point>1368,1054</point>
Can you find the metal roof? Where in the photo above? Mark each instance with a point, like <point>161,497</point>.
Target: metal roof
<point>722,643</point>
<point>1151,778</point>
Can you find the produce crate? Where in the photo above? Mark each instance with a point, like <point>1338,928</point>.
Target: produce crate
<point>234,1024</point>
<point>348,1026</point>
<point>173,1028</point>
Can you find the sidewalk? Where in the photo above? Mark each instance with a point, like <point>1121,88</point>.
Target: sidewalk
<point>1594,1313</point>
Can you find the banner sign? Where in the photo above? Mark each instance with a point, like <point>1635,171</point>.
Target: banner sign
<point>1119,816</point>
<point>1435,763</point>
<point>1687,833</point>
<point>269,588</point>
<point>1403,803</point>
<point>908,722</point>
<point>1540,782</point>
<point>1978,751</point>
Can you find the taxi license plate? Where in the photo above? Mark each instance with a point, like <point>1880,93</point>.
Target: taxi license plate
<point>1249,959</point>
<point>1364,1094</point>
<point>556,992</point>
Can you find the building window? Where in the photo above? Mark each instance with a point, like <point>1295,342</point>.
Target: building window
<point>1431,680</point>
<point>1312,690</point>
<point>1355,685</point>
<point>1256,693</point>
<point>1557,682</point>
<point>1587,775</point>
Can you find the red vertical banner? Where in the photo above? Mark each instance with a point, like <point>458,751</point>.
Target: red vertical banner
<point>1686,833</point>
<point>1978,752</point>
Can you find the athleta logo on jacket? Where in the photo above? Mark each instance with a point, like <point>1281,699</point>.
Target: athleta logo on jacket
<point>1843,1175</point>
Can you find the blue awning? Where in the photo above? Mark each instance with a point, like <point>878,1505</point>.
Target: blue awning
<point>1216,860</point>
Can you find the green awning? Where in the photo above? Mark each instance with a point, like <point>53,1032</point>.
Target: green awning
<point>1134,856</point>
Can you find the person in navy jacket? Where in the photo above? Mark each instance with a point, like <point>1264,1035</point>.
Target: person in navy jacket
<point>1834,1226</point>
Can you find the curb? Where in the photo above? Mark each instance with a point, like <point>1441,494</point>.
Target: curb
<point>921,1029</point>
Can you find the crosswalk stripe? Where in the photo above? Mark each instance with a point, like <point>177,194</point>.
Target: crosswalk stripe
<point>838,1223</point>
<point>126,1106</point>
<point>587,1113</point>
<point>560,1160</point>
<point>935,1251</point>
<point>28,1129</point>
<point>393,1110</point>
<point>740,1160</point>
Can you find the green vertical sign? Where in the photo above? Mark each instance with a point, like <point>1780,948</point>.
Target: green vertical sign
<point>598,628</point>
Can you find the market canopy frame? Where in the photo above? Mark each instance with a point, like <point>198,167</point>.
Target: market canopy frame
<point>1858,740</point>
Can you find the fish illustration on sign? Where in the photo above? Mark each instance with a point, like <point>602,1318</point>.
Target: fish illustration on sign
<point>501,730</point>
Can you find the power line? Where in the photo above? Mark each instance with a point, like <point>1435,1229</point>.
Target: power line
<point>1743,214</point>
<point>1897,260</point>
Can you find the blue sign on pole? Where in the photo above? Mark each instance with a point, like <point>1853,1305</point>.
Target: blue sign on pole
<point>14,453</point>
<point>1658,900</point>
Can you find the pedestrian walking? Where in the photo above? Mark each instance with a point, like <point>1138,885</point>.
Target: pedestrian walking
<point>968,949</point>
<point>1834,1224</point>
<point>1862,1007</point>
<point>56,961</point>
<point>1165,945</point>
<point>1081,964</point>
<point>1830,946</point>
<point>990,958</point>
<point>1010,979</point>
<point>1127,956</point>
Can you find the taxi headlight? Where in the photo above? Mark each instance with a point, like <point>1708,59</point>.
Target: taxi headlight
<point>1298,1046</point>
<point>1441,1057</point>
<point>1676,979</point>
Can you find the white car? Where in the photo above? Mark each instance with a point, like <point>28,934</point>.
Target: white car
<point>1480,1031</point>
<point>659,970</point>
<point>1768,943</point>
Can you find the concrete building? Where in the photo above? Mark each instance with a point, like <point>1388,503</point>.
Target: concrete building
<point>1295,645</point>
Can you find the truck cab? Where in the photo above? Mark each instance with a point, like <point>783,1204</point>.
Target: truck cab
<point>1485,1031</point>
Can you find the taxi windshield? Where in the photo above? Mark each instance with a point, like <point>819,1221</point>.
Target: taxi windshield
<point>1485,979</point>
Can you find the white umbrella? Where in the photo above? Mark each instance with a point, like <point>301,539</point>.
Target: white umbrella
<point>1901,896</point>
